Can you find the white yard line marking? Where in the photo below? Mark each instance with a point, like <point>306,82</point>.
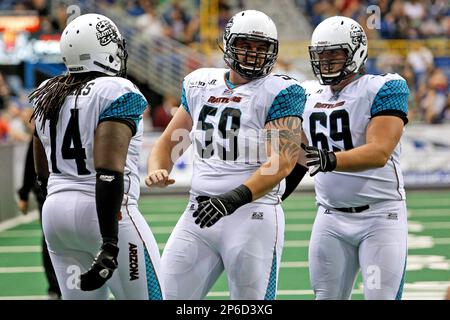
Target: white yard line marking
<point>20,249</point>
<point>11,223</point>
<point>33,269</point>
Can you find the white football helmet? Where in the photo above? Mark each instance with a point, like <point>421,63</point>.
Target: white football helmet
<point>333,34</point>
<point>92,42</point>
<point>254,26</point>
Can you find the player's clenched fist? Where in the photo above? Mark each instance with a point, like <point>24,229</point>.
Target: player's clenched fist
<point>159,178</point>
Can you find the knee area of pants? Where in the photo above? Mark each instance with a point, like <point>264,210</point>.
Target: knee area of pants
<point>250,266</point>
<point>180,259</point>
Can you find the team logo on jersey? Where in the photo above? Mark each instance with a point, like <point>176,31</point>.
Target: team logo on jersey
<point>213,99</point>
<point>258,215</point>
<point>320,105</point>
<point>134,266</point>
<point>106,33</point>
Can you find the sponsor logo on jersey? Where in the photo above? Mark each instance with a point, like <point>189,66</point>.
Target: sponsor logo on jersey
<point>212,82</point>
<point>213,99</point>
<point>258,215</point>
<point>134,266</point>
<point>197,84</point>
<point>320,105</point>
<point>392,216</point>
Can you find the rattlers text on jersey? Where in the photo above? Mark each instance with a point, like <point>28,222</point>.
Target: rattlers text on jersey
<point>69,146</point>
<point>338,121</point>
<point>229,144</point>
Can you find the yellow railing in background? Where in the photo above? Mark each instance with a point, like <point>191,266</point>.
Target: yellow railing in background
<point>209,21</point>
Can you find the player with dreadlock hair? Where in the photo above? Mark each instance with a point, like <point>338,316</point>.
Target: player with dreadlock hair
<point>87,142</point>
<point>50,97</point>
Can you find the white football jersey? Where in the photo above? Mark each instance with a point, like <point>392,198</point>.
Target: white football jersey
<point>69,145</point>
<point>227,133</point>
<point>339,122</point>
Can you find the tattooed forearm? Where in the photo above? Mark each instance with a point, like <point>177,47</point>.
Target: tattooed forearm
<point>285,134</point>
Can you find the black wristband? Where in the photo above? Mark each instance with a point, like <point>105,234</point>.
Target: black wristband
<point>239,196</point>
<point>109,191</point>
<point>332,161</point>
<point>293,179</point>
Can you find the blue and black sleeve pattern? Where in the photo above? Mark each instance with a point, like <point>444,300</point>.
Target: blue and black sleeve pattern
<point>127,108</point>
<point>290,102</point>
<point>184,100</point>
<point>392,99</point>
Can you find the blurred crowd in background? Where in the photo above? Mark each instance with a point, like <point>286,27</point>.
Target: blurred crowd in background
<point>180,20</point>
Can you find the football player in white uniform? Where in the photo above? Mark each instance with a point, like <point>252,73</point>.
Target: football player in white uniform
<point>87,142</point>
<point>233,221</point>
<point>354,121</point>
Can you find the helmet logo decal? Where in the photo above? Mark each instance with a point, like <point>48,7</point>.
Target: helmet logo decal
<point>357,35</point>
<point>106,33</point>
<point>226,33</point>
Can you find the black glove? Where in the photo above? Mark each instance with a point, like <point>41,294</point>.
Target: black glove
<point>102,268</point>
<point>322,160</point>
<point>211,209</point>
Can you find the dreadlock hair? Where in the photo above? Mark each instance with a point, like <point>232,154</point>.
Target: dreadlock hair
<point>49,98</point>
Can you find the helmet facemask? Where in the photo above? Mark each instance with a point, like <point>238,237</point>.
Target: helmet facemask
<point>322,67</point>
<point>250,64</point>
<point>122,53</point>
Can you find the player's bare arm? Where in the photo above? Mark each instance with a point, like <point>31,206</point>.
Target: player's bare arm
<point>40,159</point>
<point>111,143</point>
<point>161,160</point>
<point>40,166</point>
<point>383,134</point>
<point>285,133</point>
<point>298,172</point>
